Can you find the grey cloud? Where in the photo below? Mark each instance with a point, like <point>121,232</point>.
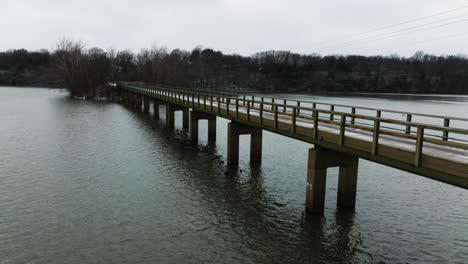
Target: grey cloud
<point>240,26</point>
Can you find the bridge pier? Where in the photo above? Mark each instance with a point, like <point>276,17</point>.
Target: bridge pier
<point>131,100</point>
<point>196,116</point>
<point>137,101</point>
<point>319,161</point>
<point>234,131</point>
<point>146,103</point>
<point>156,105</point>
<point>170,115</point>
<point>123,96</point>
<point>128,99</point>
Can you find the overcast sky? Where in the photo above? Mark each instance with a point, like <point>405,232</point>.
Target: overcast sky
<point>241,26</point>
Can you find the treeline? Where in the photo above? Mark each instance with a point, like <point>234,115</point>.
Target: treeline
<point>22,67</point>
<point>86,71</point>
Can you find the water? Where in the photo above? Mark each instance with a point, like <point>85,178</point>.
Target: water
<point>95,182</point>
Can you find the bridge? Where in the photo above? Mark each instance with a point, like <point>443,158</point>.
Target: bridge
<point>341,134</point>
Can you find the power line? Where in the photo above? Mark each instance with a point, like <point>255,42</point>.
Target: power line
<point>395,33</point>
<point>399,24</point>
<point>427,40</point>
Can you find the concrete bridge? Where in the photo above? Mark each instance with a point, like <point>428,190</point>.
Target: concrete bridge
<point>341,135</point>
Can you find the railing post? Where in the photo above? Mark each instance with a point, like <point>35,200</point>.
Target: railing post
<point>353,118</point>
<point>445,133</point>
<point>332,109</point>
<point>272,103</point>
<point>419,146</point>
<point>227,105</point>
<point>284,105</point>
<point>243,102</point>
<point>379,113</point>
<point>276,116</point>
<point>193,100</point>
<point>316,123</point>
<point>261,112</point>
<point>237,108</point>
<point>342,130</point>
<point>198,100</point>
<point>408,128</point>
<point>204,101</point>
<point>219,104</point>
<point>248,111</point>
<point>294,120</point>
<point>298,107</point>
<point>375,139</point>
<point>211,103</point>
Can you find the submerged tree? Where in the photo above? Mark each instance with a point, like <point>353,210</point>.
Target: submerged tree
<point>85,71</point>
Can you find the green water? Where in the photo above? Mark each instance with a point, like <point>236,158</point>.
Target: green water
<point>96,182</point>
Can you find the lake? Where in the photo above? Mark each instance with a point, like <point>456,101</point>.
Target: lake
<point>97,182</point>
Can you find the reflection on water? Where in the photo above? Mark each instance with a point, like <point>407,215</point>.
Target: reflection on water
<point>95,182</point>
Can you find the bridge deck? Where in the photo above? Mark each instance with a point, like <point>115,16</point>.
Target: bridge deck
<point>444,158</point>
<point>446,152</point>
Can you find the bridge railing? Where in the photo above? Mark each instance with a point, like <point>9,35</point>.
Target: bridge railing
<point>311,119</point>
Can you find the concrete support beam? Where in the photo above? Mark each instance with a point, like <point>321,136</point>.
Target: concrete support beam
<point>170,115</point>
<point>156,105</point>
<point>170,120</point>
<point>212,129</point>
<point>131,100</point>
<point>138,100</point>
<point>185,118</point>
<point>123,96</point>
<point>319,161</point>
<point>347,184</point>
<point>256,147</point>
<point>196,116</point>
<point>146,103</point>
<point>234,131</point>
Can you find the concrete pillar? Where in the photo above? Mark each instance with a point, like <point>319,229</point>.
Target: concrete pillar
<point>170,115</point>
<point>185,118</point>
<point>232,146</point>
<point>316,181</point>
<point>131,100</point>
<point>193,127</point>
<point>212,129</point>
<point>137,101</point>
<point>145,104</point>
<point>156,109</point>
<point>140,102</point>
<point>319,161</point>
<point>196,116</point>
<point>256,147</point>
<point>122,96</point>
<point>347,183</point>
<point>234,131</point>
